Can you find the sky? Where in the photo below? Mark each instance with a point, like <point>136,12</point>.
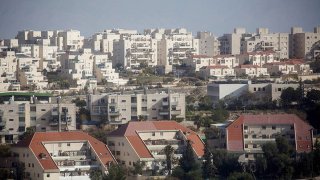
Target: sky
<point>217,16</point>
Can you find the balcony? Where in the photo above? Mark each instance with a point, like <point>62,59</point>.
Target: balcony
<point>165,103</point>
<point>113,113</point>
<point>176,112</point>
<point>163,112</point>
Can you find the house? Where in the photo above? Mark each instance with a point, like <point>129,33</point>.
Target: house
<point>62,155</point>
<point>145,141</point>
<point>248,133</point>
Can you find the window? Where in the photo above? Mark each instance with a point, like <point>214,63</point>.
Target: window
<point>274,127</point>
<point>254,146</point>
<point>29,165</point>
<point>122,143</point>
<point>161,133</point>
<point>33,118</point>
<point>10,129</point>
<point>245,127</point>
<point>21,128</point>
<point>263,89</point>
<point>254,136</point>
<point>154,100</point>
<point>118,153</point>
<point>48,175</point>
<point>43,119</point>
<point>154,109</point>
<point>10,110</point>
<point>264,136</point>
<point>254,89</point>
<point>59,144</point>
<point>10,119</point>
<point>264,127</point>
<point>279,89</point>
<point>123,100</point>
<point>246,136</point>
<point>43,109</point>
<point>143,108</point>
<point>124,109</point>
<point>153,133</point>
<point>246,145</point>
<point>68,144</point>
<point>32,165</point>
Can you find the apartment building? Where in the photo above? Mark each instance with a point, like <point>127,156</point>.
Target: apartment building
<point>11,43</point>
<point>145,141</point>
<point>251,70</point>
<point>232,43</point>
<point>216,71</point>
<point>135,49</point>
<point>303,44</point>
<point>265,41</point>
<point>17,115</point>
<point>70,40</point>
<point>209,45</point>
<point>121,108</point>
<point>248,133</point>
<point>62,155</point>
<point>175,46</point>
<point>226,60</point>
<point>8,65</point>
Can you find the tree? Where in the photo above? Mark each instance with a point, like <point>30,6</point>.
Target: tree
<point>79,103</point>
<point>169,151</point>
<point>138,167</point>
<point>208,168</point>
<point>288,96</point>
<point>240,176</point>
<point>313,95</point>
<point>29,132</point>
<point>188,167</point>
<point>4,151</point>
<point>205,103</point>
<point>115,172</point>
<point>96,175</point>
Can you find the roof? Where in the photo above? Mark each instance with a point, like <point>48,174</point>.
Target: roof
<point>288,62</point>
<point>131,129</point>
<point>302,129</point>
<point>224,56</point>
<point>35,143</point>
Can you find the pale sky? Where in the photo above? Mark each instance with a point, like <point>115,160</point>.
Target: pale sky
<point>217,16</point>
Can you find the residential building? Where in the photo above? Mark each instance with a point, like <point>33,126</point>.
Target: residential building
<point>144,141</point>
<point>304,43</point>
<point>17,115</point>
<point>62,155</point>
<point>209,45</point>
<point>216,71</point>
<point>118,109</point>
<point>199,61</point>
<point>226,60</point>
<point>265,41</point>
<point>135,49</point>
<point>291,66</point>
<point>258,58</point>
<point>251,70</point>
<point>11,43</point>
<point>70,40</point>
<point>232,43</point>
<point>248,133</point>
<point>175,46</point>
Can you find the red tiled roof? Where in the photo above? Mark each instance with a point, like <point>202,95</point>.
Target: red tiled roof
<point>130,131</point>
<point>288,62</point>
<point>224,56</point>
<point>35,143</point>
<point>302,130</point>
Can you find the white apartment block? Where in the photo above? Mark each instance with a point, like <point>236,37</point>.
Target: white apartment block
<point>216,71</point>
<point>175,46</point>
<point>8,65</point>
<point>62,155</point>
<point>258,58</point>
<point>251,70</point>
<point>303,43</point>
<point>11,43</point>
<point>71,40</point>
<point>265,41</point>
<point>145,141</point>
<point>121,108</point>
<point>131,51</point>
<point>16,116</point>
<point>209,45</point>
<point>232,43</point>
<point>87,67</point>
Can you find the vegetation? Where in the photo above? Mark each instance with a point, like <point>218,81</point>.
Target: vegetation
<point>169,151</point>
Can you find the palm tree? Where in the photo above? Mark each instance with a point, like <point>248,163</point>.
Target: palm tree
<point>169,151</point>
